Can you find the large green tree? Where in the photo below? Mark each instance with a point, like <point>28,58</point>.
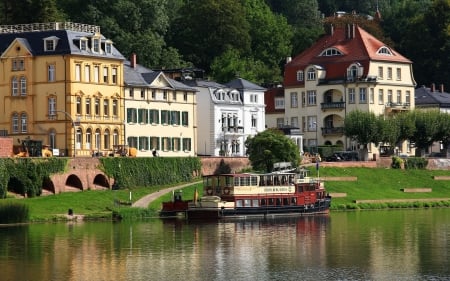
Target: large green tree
<point>269,147</point>
<point>362,127</point>
<point>29,11</point>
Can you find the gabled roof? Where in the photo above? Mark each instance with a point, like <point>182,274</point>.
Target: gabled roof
<point>354,44</point>
<point>242,84</point>
<point>426,97</point>
<point>269,99</point>
<point>67,43</point>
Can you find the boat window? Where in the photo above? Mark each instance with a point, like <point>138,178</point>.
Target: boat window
<point>285,201</point>
<point>271,201</point>
<point>255,203</point>
<point>254,180</point>
<point>276,180</point>
<point>278,201</point>
<point>245,181</point>
<point>247,203</point>
<point>294,200</point>
<point>299,188</point>
<point>228,181</point>
<point>262,181</point>
<point>238,203</point>
<point>263,202</point>
<point>236,181</point>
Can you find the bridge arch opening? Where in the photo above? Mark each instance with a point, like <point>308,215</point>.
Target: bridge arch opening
<point>73,183</point>
<point>101,182</point>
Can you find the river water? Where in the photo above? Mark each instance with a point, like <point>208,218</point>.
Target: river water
<point>361,245</point>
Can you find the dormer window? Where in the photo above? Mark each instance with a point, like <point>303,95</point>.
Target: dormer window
<point>50,43</point>
<point>83,44</point>
<point>330,52</point>
<point>384,51</point>
<point>96,45</point>
<point>311,74</point>
<point>108,47</point>
<point>354,71</point>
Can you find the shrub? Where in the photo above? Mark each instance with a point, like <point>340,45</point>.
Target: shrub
<point>416,163</point>
<point>13,212</point>
<point>396,162</point>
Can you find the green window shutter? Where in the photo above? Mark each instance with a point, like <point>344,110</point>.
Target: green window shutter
<point>129,115</point>
<point>185,118</point>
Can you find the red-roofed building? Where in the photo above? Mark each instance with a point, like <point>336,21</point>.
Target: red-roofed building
<point>345,70</point>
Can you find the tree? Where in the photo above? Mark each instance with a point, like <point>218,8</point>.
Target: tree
<point>362,127</point>
<point>427,129</point>
<point>269,147</point>
<point>17,12</point>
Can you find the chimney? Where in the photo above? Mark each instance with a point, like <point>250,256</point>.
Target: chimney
<point>133,60</point>
<point>288,59</point>
<point>441,88</point>
<point>433,88</point>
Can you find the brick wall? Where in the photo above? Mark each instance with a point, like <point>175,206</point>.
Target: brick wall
<point>6,147</point>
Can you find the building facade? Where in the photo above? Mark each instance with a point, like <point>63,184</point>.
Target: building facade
<point>161,113</point>
<point>61,85</point>
<point>347,69</point>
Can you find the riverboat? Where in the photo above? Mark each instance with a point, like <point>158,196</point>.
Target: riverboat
<point>280,193</point>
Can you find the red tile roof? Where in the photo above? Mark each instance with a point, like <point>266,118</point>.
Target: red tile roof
<point>269,99</point>
<point>361,48</point>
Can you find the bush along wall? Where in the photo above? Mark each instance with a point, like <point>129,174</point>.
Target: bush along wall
<point>25,176</point>
<point>149,171</point>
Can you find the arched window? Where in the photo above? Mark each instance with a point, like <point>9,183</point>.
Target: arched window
<point>14,87</point>
<point>98,141</point>
<point>23,86</point>
<point>88,138</point>
<point>23,123</point>
<point>384,51</point>
<point>106,139</point>
<point>115,137</point>
<point>79,137</point>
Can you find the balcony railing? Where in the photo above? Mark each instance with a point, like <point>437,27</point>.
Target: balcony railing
<point>327,131</point>
<point>333,105</point>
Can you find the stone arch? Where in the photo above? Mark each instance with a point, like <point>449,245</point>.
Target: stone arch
<point>73,183</point>
<point>101,182</point>
<point>339,143</point>
<point>16,186</point>
<point>47,186</point>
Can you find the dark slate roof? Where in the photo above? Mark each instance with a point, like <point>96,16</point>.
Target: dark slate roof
<point>204,84</point>
<point>140,76</point>
<point>67,43</point>
<point>242,84</point>
<point>425,97</point>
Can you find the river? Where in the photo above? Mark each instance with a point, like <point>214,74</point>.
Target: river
<point>361,245</point>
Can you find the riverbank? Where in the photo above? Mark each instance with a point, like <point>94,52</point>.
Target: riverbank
<point>383,185</point>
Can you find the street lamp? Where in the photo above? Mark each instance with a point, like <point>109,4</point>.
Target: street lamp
<point>317,140</point>
<point>74,124</point>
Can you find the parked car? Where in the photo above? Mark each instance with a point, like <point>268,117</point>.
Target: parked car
<point>343,156</point>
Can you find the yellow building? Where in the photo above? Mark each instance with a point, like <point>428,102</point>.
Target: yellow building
<point>61,85</point>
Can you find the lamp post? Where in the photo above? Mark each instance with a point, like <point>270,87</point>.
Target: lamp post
<point>73,126</point>
<point>317,140</point>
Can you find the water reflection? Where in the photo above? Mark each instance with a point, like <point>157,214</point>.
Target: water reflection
<point>381,245</point>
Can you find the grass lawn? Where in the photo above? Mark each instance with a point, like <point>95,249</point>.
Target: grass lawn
<point>371,184</point>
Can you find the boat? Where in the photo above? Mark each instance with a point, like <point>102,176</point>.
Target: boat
<point>283,192</point>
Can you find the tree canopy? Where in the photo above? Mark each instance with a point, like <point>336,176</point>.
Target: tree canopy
<point>269,147</point>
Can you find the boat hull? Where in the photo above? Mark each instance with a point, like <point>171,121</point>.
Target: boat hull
<point>321,207</point>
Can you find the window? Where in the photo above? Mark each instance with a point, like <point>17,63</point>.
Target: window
<point>294,99</point>
<point>384,51</point>
<point>51,107</point>
<point>142,94</point>
<point>185,118</point>
<point>352,73</point>
<point>18,65</point>
<point>294,121</point>
<point>143,143</point>
<point>97,106</point>
<point>98,140</point>
<point>176,144</point>
<point>154,143</point>
<point>115,137</point>
<point>87,73</point>
<point>15,123</point>
<point>312,123</point>
<point>399,74</point>
<point>51,73</point>
<point>312,97</point>
<point>52,138</point>
<point>389,73</point>
<point>83,44</point>
<point>153,94</point>
<point>372,96</point>
<point>79,138</point>
<point>106,140</point>
<point>300,75</point>
<point>23,123</point>
<point>50,44</point>
<point>330,52</point>
<point>185,96</point>
<point>96,73</point>
<point>14,87</point>
<point>311,74</point>
<point>114,75</point>
<point>88,106</point>
<point>114,107</point>
<point>154,116</point>
<point>106,107</point>
<point>131,92</point>
<point>351,95</point>
<point>78,101</point>
<point>165,95</point>
<point>303,99</point>
<point>131,115</point>
<point>279,103</point>
<point>389,96</point>
<point>254,121</point>
<point>408,98</point>
<point>108,47</point>
<point>88,138</point>
<point>174,95</point>
<point>362,95</point>
<point>143,115</point>
<point>380,72</point>
<point>399,97</point>
<point>380,96</point>
<point>23,86</point>
<point>166,144</point>
<point>77,72</point>
<point>254,98</point>
<point>132,141</point>
<point>96,45</point>
<point>105,74</point>
<point>165,117</point>
<point>280,122</point>
<point>175,117</point>
<point>187,144</point>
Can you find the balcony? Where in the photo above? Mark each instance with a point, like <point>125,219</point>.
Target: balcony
<point>332,131</point>
<point>333,105</point>
<point>392,106</point>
